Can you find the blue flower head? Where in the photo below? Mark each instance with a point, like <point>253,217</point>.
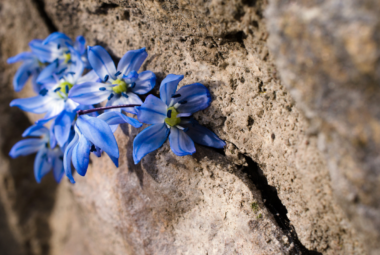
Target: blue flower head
<point>94,134</point>
<point>61,52</point>
<point>31,67</point>
<point>47,157</point>
<point>120,85</point>
<point>169,115</point>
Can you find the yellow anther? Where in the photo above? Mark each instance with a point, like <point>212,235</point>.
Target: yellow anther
<point>120,87</point>
<point>172,120</point>
<point>67,57</point>
<point>65,87</point>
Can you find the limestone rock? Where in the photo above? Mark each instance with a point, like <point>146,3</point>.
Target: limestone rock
<point>327,53</point>
<point>209,202</point>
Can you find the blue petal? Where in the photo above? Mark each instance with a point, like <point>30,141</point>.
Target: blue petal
<point>132,61</point>
<point>38,104</point>
<point>23,56</point>
<point>81,155</point>
<point>22,75</point>
<point>119,99</point>
<point>201,134</point>
<point>58,166</point>
<point>67,157</point>
<point>90,76</point>
<point>114,160</point>
<point>180,143</point>
<point>53,68</point>
<point>55,108</point>
<point>46,53</point>
<point>52,140</point>
<point>169,86</point>
<point>101,62</point>
<point>196,96</point>
<point>148,140</point>
<point>76,66</point>
<point>97,152</point>
<point>36,86</point>
<point>41,164</point>
<point>57,38</point>
<point>152,111</point>
<point>144,83</point>
<point>62,126</point>
<point>35,130</point>
<point>88,93</point>
<point>99,133</point>
<point>26,147</point>
<point>80,44</point>
<point>115,118</point>
<point>131,77</point>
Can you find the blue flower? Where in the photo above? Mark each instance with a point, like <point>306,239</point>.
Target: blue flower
<point>120,85</point>
<point>168,115</point>
<point>60,51</point>
<point>93,134</point>
<point>47,158</point>
<point>31,67</point>
<point>53,97</point>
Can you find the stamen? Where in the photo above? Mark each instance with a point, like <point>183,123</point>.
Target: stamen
<point>110,96</point>
<point>169,114</point>
<point>43,92</point>
<point>67,89</point>
<point>72,73</point>
<point>102,88</point>
<point>125,95</point>
<point>59,88</point>
<point>117,73</point>
<point>176,95</point>
<point>132,85</point>
<point>106,78</point>
<point>182,128</point>
<point>58,46</point>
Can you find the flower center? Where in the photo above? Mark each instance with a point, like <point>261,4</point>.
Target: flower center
<point>120,87</point>
<point>172,119</point>
<point>63,89</point>
<point>67,57</point>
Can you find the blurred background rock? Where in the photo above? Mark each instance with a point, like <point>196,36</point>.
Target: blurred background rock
<point>295,86</point>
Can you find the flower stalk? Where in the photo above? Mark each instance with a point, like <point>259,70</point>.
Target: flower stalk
<point>81,112</point>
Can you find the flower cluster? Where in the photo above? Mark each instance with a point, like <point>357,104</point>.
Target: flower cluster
<point>70,79</point>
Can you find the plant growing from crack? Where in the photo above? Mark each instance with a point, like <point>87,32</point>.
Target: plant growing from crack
<point>71,79</point>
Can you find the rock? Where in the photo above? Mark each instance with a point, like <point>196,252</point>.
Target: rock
<point>166,205</point>
<point>25,205</point>
<point>327,56</point>
<point>270,193</point>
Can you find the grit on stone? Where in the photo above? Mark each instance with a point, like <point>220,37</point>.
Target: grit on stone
<point>200,204</point>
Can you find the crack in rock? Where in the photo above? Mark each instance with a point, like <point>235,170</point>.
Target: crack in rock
<point>274,205</point>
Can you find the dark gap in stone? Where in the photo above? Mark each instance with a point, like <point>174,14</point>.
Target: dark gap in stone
<point>250,3</point>
<point>238,37</point>
<point>40,6</point>
<point>273,203</point>
<point>104,8</point>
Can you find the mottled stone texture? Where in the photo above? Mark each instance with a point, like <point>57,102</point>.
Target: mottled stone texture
<point>213,202</point>
<point>329,59</point>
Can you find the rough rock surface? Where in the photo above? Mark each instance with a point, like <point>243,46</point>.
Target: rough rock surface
<point>328,56</point>
<point>209,203</point>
